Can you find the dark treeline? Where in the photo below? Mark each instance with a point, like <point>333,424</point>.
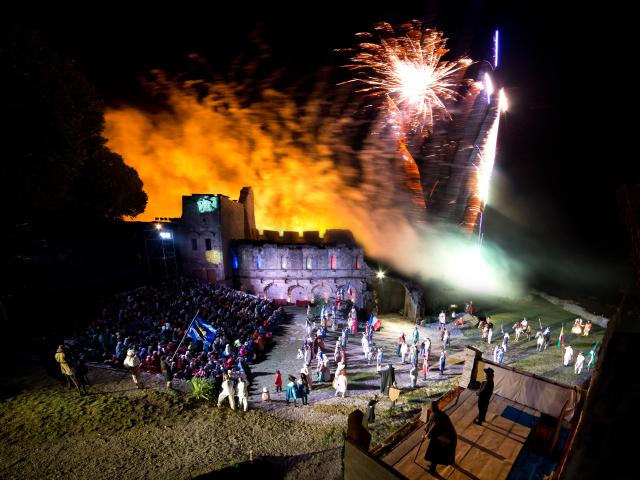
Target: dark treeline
<point>64,193</point>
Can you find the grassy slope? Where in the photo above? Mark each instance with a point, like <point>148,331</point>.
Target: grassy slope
<point>102,432</point>
<point>523,354</point>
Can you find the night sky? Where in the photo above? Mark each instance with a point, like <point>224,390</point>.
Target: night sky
<point>554,173</point>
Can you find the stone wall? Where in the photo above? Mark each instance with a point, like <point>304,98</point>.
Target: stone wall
<point>300,272</point>
<point>286,266</point>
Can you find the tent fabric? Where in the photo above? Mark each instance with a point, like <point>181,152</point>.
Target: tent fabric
<point>536,393</point>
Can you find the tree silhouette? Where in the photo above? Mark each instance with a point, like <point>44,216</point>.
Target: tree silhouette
<point>55,160</point>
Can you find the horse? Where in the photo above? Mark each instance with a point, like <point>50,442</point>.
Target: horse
<point>541,340</point>
<point>481,326</point>
<point>519,329</point>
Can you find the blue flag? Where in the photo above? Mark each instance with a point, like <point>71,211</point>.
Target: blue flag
<point>194,333</point>
<point>202,330</point>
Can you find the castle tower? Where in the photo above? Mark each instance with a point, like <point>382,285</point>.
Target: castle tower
<point>246,198</point>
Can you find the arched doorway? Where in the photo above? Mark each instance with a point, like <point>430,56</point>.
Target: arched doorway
<point>269,291</point>
<point>322,291</point>
<point>296,294</point>
<point>391,295</point>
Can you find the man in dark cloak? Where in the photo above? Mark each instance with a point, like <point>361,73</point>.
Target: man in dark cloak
<point>442,439</point>
<point>387,377</point>
<point>484,395</point>
<point>371,410</point>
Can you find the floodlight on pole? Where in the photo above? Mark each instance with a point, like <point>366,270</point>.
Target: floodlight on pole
<point>165,235</point>
<point>158,226</point>
<point>380,274</point>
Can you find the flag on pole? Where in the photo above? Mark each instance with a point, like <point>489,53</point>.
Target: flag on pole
<point>202,330</point>
<point>349,290</point>
<point>376,323</point>
<point>591,358</point>
<point>561,337</point>
<point>371,319</point>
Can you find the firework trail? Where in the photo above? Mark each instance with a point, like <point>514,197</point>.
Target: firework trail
<point>485,154</point>
<point>408,71</point>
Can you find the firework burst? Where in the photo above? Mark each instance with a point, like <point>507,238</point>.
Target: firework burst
<point>408,69</point>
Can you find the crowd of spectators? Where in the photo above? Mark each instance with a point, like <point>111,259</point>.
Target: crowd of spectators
<point>153,320</point>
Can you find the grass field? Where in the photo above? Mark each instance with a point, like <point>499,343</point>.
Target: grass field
<point>523,354</point>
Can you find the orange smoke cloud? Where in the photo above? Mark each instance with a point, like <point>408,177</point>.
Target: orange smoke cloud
<point>304,174</point>
<point>217,144</point>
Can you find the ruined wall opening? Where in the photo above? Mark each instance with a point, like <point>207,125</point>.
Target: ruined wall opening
<point>391,296</point>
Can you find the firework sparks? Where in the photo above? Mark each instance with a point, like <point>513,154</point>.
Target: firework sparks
<point>408,69</point>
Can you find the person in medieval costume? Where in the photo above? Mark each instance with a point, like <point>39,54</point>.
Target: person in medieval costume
<point>404,350</point>
<point>371,410</point>
<point>413,355</point>
<point>341,383</point>
<point>484,395</point>
<point>445,338</point>
<point>227,391</point>
<point>591,357</point>
<point>495,353</point>
<point>505,341</point>
<point>304,373</point>
<point>442,437</point>
<point>302,388</point>
<point>401,341</point>
<point>387,379</point>
<point>413,377</point>
<point>278,381</point>
<point>307,354</point>
<point>568,355</point>
<point>292,391</point>
<point>577,368</point>
<point>416,335</point>
<point>425,366</point>
<point>66,369</point>
<point>241,391</point>
<point>442,362</point>
<point>379,360</point>
<point>132,363</point>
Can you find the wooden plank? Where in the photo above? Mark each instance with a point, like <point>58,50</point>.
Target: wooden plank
<point>410,443</point>
<point>509,449</point>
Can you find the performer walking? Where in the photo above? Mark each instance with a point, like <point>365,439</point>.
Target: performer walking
<point>443,360</point>
<point>577,368</point>
<point>442,437</point>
